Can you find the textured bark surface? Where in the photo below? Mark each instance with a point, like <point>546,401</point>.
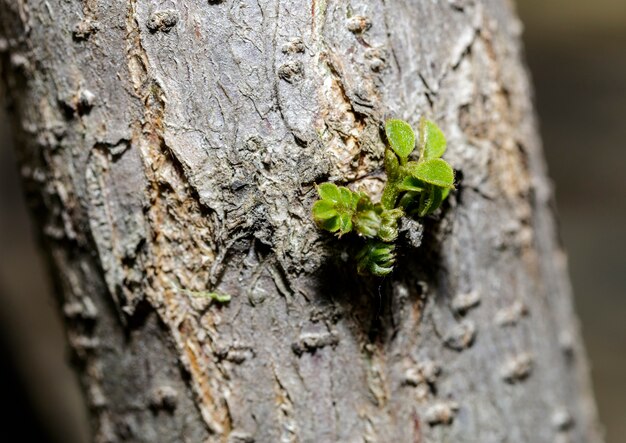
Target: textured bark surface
<point>169,145</point>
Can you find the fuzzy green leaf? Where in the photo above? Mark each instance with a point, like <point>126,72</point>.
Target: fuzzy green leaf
<point>376,258</point>
<point>331,225</point>
<point>432,140</point>
<point>444,193</point>
<point>435,171</point>
<point>367,217</point>
<point>392,167</point>
<point>356,198</point>
<point>401,137</point>
<point>367,223</point>
<point>408,200</point>
<point>393,170</point>
<point>345,224</point>
<point>328,191</point>
<point>430,201</point>
<point>412,184</point>
<point>335,210</point>
<point>364,203</point>
<point>390,195</point>
<point>346,197</point>
<point>389,225</point>
<point>324,210</point>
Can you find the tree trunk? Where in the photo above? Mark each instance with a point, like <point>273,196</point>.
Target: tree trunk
<point>171,147</point>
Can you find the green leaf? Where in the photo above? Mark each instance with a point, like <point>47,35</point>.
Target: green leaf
<point>412,184</point>
<point>376,258</point>
<point>367,217</point>
<point>367,223</point>
<point>364,203</point>
<point>336,208</point>
<point>345,197</point>
<point>323,210</point>
<point>392,167</point>
<point>432,140</point>
<point>390,195</point>
<point>345,223</point>
<point>357,198</point>
<point>408,200</point>
<point>331,225</point>
<point>380,271</point>
<point>401,137</point>
<point>435,171</point>
<point>394,172</point>
<point>444,193</point>
<point>325,215</point>
<point>389,225</point>
<point>431,200</point>
<point>328,191</point>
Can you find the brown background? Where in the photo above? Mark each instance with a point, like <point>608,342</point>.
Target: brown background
<point>576,51</point>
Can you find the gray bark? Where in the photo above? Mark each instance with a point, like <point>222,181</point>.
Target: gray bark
<point>173,146</point>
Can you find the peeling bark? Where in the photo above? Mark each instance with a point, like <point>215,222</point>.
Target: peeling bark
<point>172,147</point>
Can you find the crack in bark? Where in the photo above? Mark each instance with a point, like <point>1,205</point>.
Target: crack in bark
<point>170,195</point>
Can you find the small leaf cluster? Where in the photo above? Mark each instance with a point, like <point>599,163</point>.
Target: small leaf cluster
<point>413,188</point>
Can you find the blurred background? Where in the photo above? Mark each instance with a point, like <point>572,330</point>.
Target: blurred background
<point>576,52</point>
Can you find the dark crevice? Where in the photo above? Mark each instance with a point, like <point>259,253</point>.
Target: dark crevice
<point>137,320</point>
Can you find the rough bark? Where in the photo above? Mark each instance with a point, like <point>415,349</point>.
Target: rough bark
<point>173,146</point>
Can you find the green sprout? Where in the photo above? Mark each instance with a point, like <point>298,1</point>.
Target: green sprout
<point>213,296</point>
<point>413,188</point>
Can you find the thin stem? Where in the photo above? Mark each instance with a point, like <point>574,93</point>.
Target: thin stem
<point>390,195</point>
